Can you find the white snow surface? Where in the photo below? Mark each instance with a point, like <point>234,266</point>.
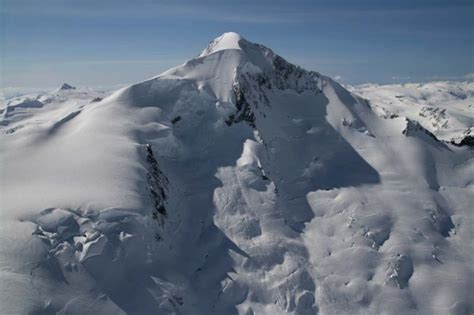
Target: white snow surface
<point>237,183</point>
<point>226,41</point>
<point>444,108</point>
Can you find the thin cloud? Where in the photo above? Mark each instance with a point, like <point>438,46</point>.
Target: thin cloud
<point>401,78</point>
<point>469,76</point>
<point>252,14</point>
<point>123,61</point>
<point>143,11</point>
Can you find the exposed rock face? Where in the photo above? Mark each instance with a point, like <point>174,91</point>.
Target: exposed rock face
<point>414,127</point>
<point>251,88</point>
<point>158,184</point>
<point>66,87</point>
<point>466,141</point>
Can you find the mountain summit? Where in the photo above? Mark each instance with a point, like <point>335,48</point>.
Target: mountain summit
<point>236,183</point>
<point>228,40</point>
<point>66,86</point>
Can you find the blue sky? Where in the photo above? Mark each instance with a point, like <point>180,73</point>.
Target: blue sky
<point>107,43</point>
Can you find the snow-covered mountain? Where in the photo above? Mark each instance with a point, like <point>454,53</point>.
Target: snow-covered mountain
<point>234,183</point>
<point>444,108</point>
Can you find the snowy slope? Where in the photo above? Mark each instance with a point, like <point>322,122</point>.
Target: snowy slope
<point>234,183</point>
<point>444,108</point>
<point>28,110</point>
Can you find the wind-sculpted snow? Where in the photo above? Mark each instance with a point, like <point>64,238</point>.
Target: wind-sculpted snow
<point>444,108</point>
<point>236,183</point>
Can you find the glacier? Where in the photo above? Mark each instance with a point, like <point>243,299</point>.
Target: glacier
<point>237,183</point>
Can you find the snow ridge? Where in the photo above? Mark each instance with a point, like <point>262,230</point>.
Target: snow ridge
<point>236,183</point>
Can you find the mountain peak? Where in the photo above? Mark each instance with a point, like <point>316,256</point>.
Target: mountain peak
<point>66,86</point>
<point>228,40</point>
<point>231,36</point>
<point>244,61</point>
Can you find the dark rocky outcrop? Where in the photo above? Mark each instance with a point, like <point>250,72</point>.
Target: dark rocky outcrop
<point>157,183</point>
